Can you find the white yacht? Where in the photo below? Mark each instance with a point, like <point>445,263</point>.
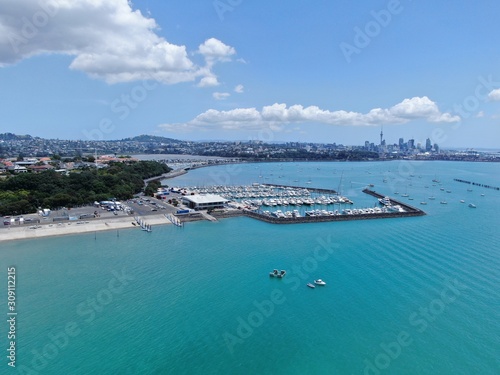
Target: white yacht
<point>319,282</point>
<point>386,201</point>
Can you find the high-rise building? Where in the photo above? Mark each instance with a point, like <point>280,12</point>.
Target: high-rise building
<point>428,144</point>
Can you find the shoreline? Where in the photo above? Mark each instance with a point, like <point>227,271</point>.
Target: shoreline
<point>71,228</point>
<point>102,224</point>
<point>173,173</point>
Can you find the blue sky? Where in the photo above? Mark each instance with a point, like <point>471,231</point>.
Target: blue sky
<point>318,71</point>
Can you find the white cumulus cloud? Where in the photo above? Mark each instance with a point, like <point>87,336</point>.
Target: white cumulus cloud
<point>494,95</point>
<point>108,39</point>
<point>208,81</point>
<point>213,49</point>
<point>277,115</point>
<point>239,89</point>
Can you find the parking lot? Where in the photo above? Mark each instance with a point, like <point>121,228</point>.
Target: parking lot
<point>140,206</point>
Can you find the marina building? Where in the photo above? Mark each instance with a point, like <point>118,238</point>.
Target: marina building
<point>204,202</point>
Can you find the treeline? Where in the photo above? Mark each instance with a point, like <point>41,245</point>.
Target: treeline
<point>25,193</point>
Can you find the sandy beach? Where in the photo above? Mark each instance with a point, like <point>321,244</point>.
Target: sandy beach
<point>75,227</point>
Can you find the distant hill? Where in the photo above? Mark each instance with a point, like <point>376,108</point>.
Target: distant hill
<point>151,138</point>
<point>140,138</point>
<point>14,137</point>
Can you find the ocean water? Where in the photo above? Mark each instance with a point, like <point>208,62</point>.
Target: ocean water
<point>403,296</point>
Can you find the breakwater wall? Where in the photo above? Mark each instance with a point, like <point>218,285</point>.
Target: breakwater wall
<point>477,184</point>
<point>406,206</point>
<point>226,214</point>
<point>320,219</point>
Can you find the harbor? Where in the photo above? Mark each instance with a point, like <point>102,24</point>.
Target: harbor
<point>397,209</point>
<point>284,204</point>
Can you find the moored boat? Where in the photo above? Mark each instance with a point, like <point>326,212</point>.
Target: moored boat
<point>319,282</point>
<point>311,285</point>
<point>386,201</point>
<point>274,273</point>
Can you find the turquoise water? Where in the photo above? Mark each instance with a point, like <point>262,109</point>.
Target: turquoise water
<point>403,296</point>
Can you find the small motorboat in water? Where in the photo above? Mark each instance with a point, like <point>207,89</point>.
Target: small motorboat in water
<point>274,273</point>
<point>319,282</point>
<point>311,285</point>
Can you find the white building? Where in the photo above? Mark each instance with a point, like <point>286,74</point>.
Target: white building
<point>204,202</point>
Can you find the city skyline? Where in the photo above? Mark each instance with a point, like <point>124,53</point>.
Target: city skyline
<point>234,70</point>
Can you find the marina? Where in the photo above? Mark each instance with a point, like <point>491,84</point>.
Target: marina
<point>284,204</point>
